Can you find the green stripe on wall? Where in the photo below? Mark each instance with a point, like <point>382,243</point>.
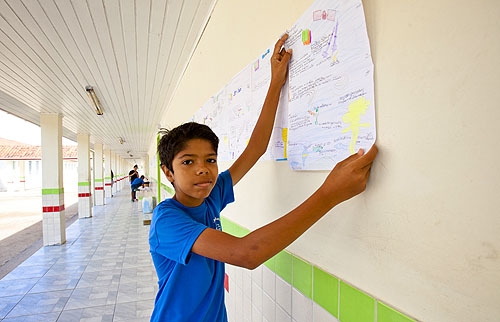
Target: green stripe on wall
<point>326,291</point>
<point>323,288</point>
<point>355,306</point>
<point>98,180</point>
<point>52,191</point>
<point>388,314</point>
<point>302,276</point>
<point>84,184</point>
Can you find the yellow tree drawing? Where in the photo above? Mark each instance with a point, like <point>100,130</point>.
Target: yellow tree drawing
<point>353,118</point>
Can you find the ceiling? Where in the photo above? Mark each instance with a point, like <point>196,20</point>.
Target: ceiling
<point>133,53</point>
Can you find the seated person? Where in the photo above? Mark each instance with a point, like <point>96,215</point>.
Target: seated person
<point>134,185</point>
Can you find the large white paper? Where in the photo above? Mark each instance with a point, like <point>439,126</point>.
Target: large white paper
<point>331,112</point>
<point>327,106</point>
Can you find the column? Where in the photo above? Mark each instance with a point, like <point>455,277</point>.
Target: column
<point>22,175</point>
<point>107,173</point>
<point>122,175</point>
<point>84,193</point>
<point>98,175</point>
<point>54,220</point>
<point>146,165</point>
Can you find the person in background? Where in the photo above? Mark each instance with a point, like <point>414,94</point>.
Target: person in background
<point>133,174</point>
<point>134,186</point>
<point>112,182</point>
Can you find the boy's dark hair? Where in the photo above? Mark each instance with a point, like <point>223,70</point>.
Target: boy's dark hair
<point>175,140</point>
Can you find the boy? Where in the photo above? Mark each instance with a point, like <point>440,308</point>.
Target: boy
<point>186,242</point>
<point>134,186</point>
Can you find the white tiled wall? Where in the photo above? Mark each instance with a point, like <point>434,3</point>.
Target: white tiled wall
<point>262,296</point>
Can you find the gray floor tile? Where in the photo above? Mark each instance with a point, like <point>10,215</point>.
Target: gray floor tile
<point>38,303</point>
<point>103,272</point>
<point>7,304</point>
<point>97,314</point>
<point>16,287</point>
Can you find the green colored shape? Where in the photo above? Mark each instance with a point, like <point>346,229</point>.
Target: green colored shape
<point>227,225</point>
<point>283,266</point>
<point>233,228</point>
<point>326,291</point>
<point>98,180</point>
<point>241,231</point>
<point>388,314</point>
<point>355,306</point>
<point>270,263</point>
<point>52,191</point>
<point>302,276</point>
<point>84,184</point>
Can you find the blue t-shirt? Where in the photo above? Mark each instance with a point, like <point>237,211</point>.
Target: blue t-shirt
<point>137,183</point>
<point>191,287</point>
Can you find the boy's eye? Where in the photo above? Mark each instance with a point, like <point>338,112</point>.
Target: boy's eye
<point>187,162</point>
<point>212,161</point>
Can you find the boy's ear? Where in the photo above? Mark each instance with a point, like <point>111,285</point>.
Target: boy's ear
<point>167,173</point>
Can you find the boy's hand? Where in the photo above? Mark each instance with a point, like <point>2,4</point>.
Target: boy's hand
<point>279,62</point>
<point>349,176</point>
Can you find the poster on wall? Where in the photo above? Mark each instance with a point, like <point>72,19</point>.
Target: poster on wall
<point>327,106</point>
<point>331,108</point>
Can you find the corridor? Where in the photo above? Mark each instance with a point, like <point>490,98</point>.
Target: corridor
<point>102,273</point>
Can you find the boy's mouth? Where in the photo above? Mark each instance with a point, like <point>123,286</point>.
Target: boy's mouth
<point>205,184</point>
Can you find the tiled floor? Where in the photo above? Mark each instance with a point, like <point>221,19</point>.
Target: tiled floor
<point>104,272</point>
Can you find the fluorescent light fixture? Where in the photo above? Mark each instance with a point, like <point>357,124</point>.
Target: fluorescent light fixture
<point>94,99</point>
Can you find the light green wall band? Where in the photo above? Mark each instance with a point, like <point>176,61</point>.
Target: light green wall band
<point>84,184</point>
<point>324,288</point>
<point>52,191</point>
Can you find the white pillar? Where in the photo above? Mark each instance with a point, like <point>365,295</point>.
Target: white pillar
<point>107,173</point>
<point>54,220</point>
<point>122,174</point>
<point>146,166</point>
<point>22,175</point>
<point>98,175</point>
<point>84,193</point>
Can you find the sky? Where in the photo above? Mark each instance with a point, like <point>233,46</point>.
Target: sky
<point>16,129</point>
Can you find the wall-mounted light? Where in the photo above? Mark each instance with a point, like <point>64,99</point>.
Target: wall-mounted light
<point>94,99</point>
<point>121,140</point>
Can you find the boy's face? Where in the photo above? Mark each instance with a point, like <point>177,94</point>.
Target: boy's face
<point>195,172</point>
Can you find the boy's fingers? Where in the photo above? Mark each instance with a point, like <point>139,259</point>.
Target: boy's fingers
<point>279,44</point>
<point>367,158</point>
<point>363,159</point>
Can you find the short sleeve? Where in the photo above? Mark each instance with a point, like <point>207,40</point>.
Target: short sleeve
<point>173,233</point>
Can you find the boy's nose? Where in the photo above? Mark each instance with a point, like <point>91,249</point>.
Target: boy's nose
<point>202,170</point>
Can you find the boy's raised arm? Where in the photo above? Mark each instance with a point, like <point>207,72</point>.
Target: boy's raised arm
<point>345,181</point>
<point>261,133</point>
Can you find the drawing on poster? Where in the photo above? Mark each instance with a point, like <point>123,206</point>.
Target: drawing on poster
<point>331,111</point>
<point>326,110</point>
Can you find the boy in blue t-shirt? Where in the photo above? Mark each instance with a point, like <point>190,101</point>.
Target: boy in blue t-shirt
<point>134,185</point>
<point>186,240</point>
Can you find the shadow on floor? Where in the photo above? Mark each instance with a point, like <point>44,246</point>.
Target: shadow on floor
<point>17,248</point>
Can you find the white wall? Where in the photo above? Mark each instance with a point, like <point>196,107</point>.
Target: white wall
<point>425,236</point>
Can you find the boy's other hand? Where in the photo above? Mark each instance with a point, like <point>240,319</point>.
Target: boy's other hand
<point>349,177</point>
<point>279,62</point>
